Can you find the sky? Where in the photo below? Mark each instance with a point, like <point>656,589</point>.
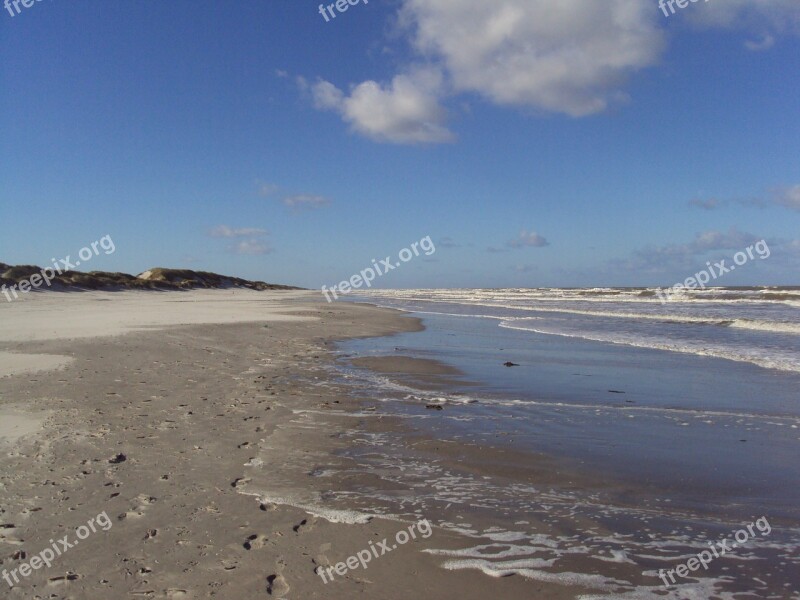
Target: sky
<point>537,142</point>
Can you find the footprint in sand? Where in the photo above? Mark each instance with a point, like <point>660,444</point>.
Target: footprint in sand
<point>5,529</point>
<point>255,541</point>
<point>140,504</point>
<point>230,565</point>
<point>305,525</point>
<point>321,559</point>
<point>277,586</point>
<point>63,579</point>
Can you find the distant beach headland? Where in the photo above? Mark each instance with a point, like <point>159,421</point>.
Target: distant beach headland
<point>23,278</point>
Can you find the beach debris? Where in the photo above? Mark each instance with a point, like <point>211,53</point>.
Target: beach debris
<point>434,406</point>
<point>119,458</point>
<point>510,364</point>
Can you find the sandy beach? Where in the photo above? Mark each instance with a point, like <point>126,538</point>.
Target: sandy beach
<point>393,300</point>
<point>158,410</point>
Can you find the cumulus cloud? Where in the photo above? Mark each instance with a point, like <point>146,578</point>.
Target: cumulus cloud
<point>570,57</point>
<point>528,240</point>
<point>305,201</point>
<point>223,231</point>
<point>406,111</point>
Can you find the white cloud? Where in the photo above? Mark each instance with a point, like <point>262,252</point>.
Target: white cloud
<point>407,111</point>
<point>765,43</point>
<point>569,56</point>
<point>789,197</point>
<point>266,189</point>
<point>675,257</point>
<point>528,240</point>
<point>326,95</point>
<point>706,204</point>
<point>255,245</point>
<point>759,16</point>
<point>251,247</point>
<point>718,240</point>
<point>764,19</point>
<point>300,201</point>
<point>223,231</point>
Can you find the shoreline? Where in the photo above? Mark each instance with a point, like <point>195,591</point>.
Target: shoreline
<point>239,457</point>
<point>155,428</point>
<point>584,514</point>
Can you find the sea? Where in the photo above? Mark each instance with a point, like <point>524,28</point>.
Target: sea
<point>595,438</point>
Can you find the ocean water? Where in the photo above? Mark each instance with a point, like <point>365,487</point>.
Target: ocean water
<point>754,325</point>
<point>680,421</point>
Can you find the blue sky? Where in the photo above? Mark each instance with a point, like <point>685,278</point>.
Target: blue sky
<point>538,143</point>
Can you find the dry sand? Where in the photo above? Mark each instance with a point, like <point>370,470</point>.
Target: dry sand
<point>152,407</point>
